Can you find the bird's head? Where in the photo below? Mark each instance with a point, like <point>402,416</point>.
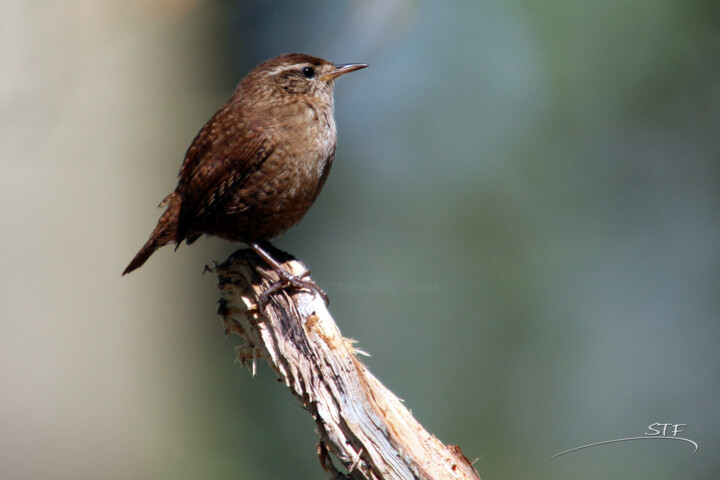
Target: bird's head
<point>296,76</point>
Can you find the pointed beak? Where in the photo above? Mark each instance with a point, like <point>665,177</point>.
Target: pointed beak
<point>342,70</point>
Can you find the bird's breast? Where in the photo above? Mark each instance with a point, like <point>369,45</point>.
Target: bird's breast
<point>280,193</point>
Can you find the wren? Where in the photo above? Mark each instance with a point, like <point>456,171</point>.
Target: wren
<point>258,164</point>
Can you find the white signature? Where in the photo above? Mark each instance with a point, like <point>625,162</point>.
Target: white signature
<point>654,434</point>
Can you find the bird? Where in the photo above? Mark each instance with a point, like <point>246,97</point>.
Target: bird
<point>258,164</point>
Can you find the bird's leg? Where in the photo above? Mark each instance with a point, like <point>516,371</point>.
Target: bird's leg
<point>286,278</point>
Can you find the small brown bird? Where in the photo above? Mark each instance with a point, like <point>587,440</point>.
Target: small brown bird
<point>259,163</point>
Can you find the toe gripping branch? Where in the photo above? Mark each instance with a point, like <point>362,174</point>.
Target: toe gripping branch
<point>286,279</point>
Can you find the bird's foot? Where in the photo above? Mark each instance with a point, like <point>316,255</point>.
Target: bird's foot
<point>288,280</point>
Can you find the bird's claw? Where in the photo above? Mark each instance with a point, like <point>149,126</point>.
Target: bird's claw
<point>297,282</point>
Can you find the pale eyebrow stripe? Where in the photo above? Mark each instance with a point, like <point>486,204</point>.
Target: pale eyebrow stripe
<point>284,68</point>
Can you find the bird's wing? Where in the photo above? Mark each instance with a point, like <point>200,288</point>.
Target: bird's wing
<point>221,158</point>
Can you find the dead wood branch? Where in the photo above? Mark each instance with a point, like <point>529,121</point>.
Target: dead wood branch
<point>358,420</point>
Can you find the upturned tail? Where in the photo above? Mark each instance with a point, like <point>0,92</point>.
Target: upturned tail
<point>165,232</point>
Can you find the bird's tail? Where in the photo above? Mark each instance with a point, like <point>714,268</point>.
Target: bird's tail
<point>165,232</point>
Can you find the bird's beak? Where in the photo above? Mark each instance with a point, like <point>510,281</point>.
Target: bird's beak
<point>342,70</point>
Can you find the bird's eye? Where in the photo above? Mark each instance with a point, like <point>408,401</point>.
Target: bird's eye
<point>308,72</point>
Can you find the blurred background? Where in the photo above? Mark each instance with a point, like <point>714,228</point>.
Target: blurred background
<point>522,226</point>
